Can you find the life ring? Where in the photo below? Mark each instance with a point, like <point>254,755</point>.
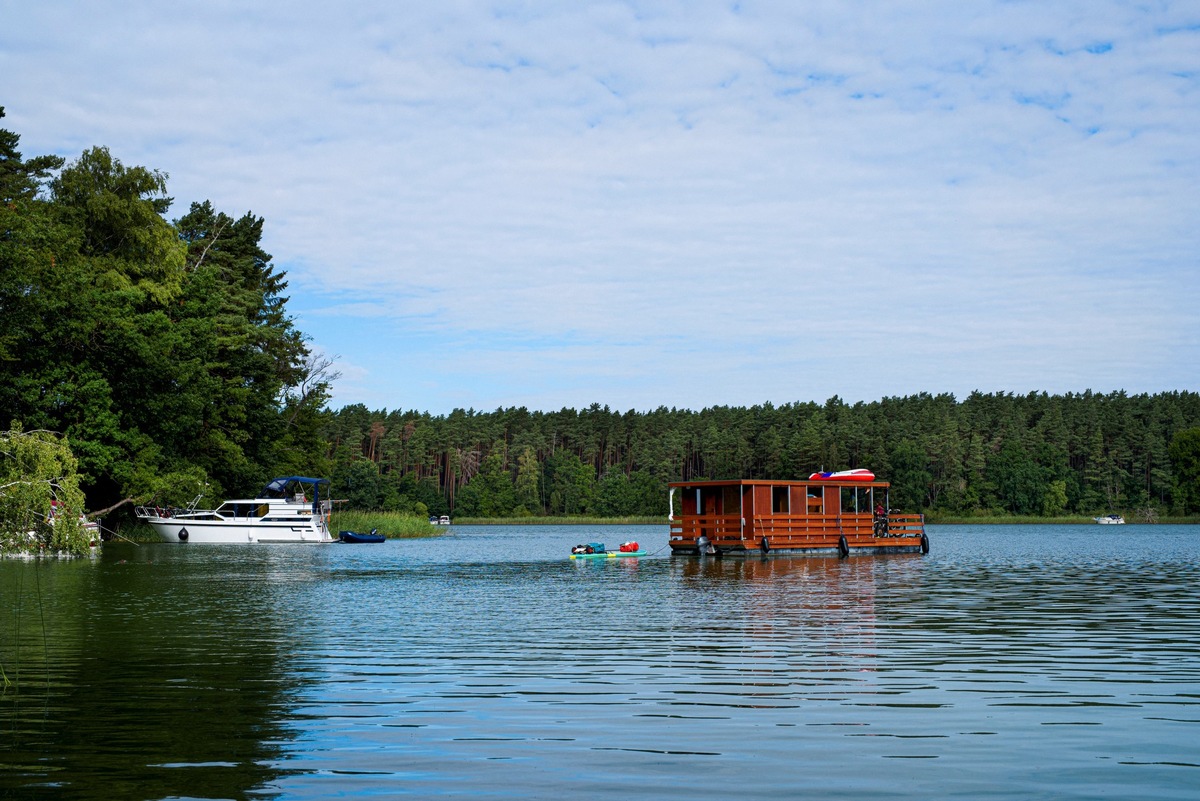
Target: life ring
<point>924,542</point>
<point>843,547</point>
<point>183,535</point>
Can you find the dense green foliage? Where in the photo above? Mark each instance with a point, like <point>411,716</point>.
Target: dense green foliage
<point>161,350</point>
<point>163,353</point>
<point>41,504</point>
<point>1003,454</point>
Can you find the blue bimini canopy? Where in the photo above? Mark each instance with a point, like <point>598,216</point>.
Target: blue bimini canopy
<point>280,484</point>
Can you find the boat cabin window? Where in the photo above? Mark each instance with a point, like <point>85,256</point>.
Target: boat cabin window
<point>816,499</point>
<point>731,501</point>
<point>780,503</point>
<point>229,510</point>
<point>856,499</point>
<point>716,501</point>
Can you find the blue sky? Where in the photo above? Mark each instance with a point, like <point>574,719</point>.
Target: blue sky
<point>486,204</point>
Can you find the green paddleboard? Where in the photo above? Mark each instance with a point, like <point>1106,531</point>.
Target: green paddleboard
<point>607,554</point>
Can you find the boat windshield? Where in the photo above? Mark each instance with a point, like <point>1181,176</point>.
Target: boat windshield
<point>232,509</point>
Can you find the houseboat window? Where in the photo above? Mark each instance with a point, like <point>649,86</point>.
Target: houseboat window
<point>731,500</point>
<point>856,499</point>
<point>779,500</point>
<point>815,499</point>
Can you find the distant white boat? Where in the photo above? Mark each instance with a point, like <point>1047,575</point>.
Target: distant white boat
<point>1110,520</point>
<point>282,512</point>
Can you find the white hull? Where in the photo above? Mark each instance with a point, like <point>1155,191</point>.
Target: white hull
<point>217,531</point>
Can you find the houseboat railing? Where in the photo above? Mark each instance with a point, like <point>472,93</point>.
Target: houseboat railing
<point>721,530</point>
<point>782,524</point>
<point>902,525</point>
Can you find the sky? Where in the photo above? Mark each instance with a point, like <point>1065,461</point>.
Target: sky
<point>682,204</point>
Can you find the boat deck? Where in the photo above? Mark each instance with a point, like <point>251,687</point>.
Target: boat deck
<point>790,517</point>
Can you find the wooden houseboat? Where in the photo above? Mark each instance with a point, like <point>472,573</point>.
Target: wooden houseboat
<point>840,513</point>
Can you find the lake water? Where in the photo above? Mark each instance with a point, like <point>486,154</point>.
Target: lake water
<point>1016,662</point>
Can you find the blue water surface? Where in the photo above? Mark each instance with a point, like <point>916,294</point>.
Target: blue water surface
<point>1012,662</point>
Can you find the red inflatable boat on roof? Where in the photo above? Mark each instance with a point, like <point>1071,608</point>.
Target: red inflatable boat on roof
<point>844,475</point>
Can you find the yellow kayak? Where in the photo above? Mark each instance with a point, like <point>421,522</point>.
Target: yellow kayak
<point>607,554</point>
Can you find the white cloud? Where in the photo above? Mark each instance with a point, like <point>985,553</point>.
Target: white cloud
<point>491,204</point>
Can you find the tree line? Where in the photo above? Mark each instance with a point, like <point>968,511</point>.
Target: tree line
<point>998,453</point>
<point>162,354</point>
<point>160,349</point>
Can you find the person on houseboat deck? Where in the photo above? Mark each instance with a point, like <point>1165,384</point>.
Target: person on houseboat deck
<point>705,546</point>
<point>881,522</point>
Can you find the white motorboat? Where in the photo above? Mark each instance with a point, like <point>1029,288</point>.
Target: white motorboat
<point>1110,520</point>
<point>289,509</point>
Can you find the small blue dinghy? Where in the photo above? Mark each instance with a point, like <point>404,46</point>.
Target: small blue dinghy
<point>353,537</point>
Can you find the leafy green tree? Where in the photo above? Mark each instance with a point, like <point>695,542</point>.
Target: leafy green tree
<point>1184,453</point>
<point>163,351</point>
<point>1018,480</point>
<point>614,495</point>
<point>571,484</point>
<point>247,354</point>
<point>132,251</point>
<point>97,265</point>
<point>910,477</point>
<point>362,487</point>
<point>1054,501</point>
<point>40,501</point>
<point>494,486</point>
<point>526,489</point>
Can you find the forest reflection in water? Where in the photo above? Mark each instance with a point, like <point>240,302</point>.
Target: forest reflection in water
<point>1011,662</point>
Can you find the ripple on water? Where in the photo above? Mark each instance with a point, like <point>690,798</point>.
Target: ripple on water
<point>1010,663</point>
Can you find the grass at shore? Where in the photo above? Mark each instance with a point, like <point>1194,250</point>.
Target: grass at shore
<point>561,521</point>
<point>392,525</point>
<point>1000,520</point>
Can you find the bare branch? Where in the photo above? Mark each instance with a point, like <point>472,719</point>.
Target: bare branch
<point>216,235</point>
<point>102,512</point>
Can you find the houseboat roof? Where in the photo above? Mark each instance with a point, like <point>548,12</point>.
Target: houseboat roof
<point>791,482</point>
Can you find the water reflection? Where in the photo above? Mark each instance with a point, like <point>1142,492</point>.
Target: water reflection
<point>144,676</point>
<point>1007,663</point>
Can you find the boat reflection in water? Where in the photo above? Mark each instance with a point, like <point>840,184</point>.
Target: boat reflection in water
<point>820,612</point>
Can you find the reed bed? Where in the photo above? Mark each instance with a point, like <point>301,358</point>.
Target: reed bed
<point>393,525</point>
